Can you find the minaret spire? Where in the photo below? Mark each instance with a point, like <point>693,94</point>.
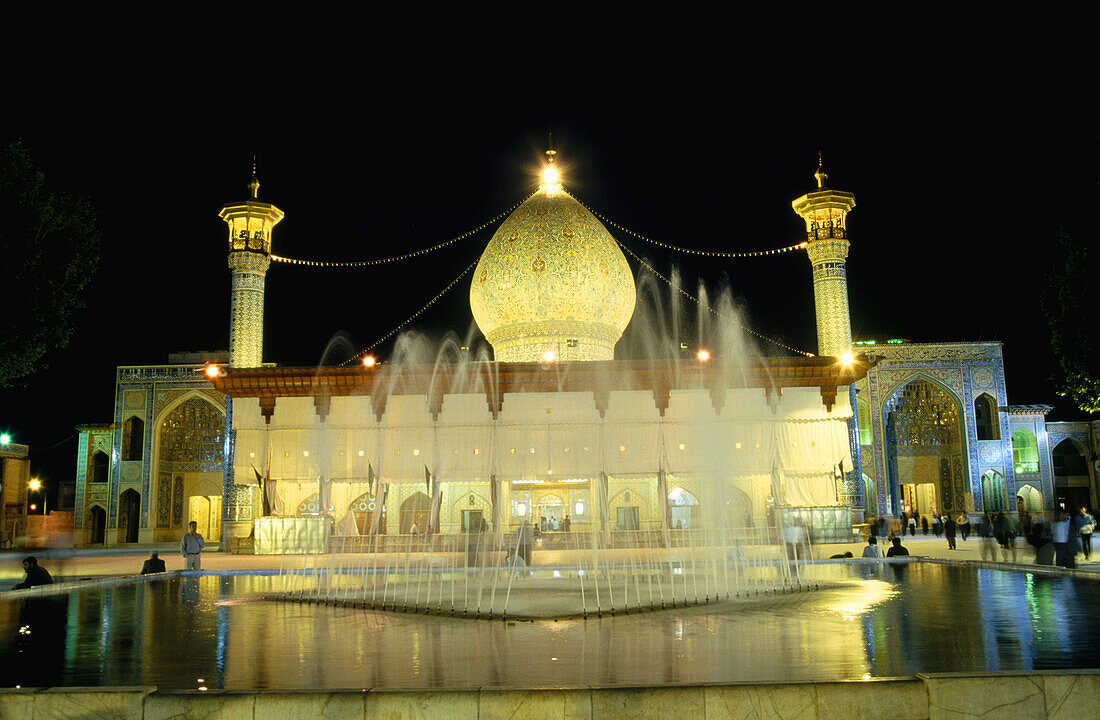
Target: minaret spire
<point>820,175</point>
<point>254,184</point>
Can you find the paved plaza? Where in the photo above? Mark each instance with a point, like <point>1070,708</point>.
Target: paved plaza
<point>76,564</point>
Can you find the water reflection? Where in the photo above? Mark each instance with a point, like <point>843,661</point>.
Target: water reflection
<point>884,621</point>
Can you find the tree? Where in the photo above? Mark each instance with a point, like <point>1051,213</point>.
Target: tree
<point>1071,326</point>
<point>49,246</point>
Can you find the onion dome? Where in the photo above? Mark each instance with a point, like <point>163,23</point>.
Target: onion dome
<point>552,283</point>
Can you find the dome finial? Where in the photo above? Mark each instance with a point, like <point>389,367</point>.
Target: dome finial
<point>550,175</point>
<point>254,184</point>
<point>820,174</point>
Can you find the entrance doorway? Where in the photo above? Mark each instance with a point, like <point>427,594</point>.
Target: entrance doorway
<point>471,521</point>
<point>129,515</point>
<point>206,512</point>
<point>97,525</point>
<point>626,518</point>
<point>415,511</point>
<point>683,507</point>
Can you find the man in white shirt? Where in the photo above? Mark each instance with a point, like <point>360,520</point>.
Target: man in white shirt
<point>872,550</point>
<point>1062,535</point>
<point>191,546</point>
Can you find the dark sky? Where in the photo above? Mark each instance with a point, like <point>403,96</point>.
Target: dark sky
<point>960,187</point>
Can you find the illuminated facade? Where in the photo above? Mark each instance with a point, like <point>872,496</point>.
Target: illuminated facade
<point>538,434</point>
<point>937,435</point>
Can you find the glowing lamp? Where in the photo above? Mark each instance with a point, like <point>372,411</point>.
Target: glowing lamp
<point>369,361</point>
<point>703,355</point>
<point>212,371</point>
<point>33,506</point>
<point>550,175</point>
<point>549,356</point>
<point>34,484</point>
<point>847,359</point>
<point>5,439</point>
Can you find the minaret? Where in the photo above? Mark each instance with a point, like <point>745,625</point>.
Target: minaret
<point>250,225</point>
<point>825,212</point>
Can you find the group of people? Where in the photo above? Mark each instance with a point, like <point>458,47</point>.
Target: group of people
<point>191,546</point>
<point>1057,542</point>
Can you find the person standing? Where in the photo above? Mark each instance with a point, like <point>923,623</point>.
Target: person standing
<point>1062,535</point>
<point>949,532</point>
<point>1085,527</point>
<point>912,525</point>
<point>964,526</point>
<point>191,546</point>
<point>36,574</point>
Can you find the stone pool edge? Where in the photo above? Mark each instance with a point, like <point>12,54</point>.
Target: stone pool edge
<point>934,696</point>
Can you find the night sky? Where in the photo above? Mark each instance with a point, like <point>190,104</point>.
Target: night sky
<point>960,188</point>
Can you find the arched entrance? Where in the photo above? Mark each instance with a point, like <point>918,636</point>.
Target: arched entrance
<point>551,512</point>
<point>1030,498</point>
<point>416,509</point>
<point>95,523</point>
<point>362,508</point>
<point>1071,476</point>
<point>129,515</point>
<point>190,461</point>
<point>993,491</point>
<point>925,461</point>
<point>683,508</point>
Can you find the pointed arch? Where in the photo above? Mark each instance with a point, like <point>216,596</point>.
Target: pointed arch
<point>986,418</point>
<point>993,491</point>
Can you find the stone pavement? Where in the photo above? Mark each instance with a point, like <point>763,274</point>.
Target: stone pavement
<point>83,563</point>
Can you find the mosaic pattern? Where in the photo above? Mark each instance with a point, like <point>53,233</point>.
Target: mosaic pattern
<point>246,320</point>
<point>552,274</point>
<point>982,377</point>
<point>193,432</point>
<point>164,508</point>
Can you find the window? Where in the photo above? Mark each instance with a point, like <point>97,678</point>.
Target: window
<point>863,416</point>
<point>985,417</point>
<point>99,467</point>
<point>993,491</point>
<point>1025,452</point>
<point>133,438</point>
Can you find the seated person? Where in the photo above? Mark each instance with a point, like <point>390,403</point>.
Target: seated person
<point>36,574</point>
<point>872,550</point>
<point>897,549</point>
<point>153,564</point>
<point>841,556</point>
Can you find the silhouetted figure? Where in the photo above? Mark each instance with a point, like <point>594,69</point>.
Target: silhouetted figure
<point>949,532</point>
<point>897,549</point>
<point>153,564</point>
<point>36,574</point>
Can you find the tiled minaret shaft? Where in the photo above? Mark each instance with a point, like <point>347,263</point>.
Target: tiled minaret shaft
<point>825,212</point>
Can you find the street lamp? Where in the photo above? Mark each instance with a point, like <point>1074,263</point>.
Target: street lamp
<point>36,485</point>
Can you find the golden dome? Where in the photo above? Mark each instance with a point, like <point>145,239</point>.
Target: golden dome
<point>552,280</point>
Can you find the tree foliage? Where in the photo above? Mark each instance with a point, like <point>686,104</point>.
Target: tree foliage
<point>49,250</point>
<point>1071,327</point>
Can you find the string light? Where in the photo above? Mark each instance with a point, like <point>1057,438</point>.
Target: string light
<point>690,251</point>
<point>396,258</point>
<point>412,317</point>
<point>700,303</point>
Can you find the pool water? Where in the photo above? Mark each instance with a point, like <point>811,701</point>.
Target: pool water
<point>871,620</point>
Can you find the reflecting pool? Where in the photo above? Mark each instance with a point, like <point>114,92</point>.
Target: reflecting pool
<point>882,620</point>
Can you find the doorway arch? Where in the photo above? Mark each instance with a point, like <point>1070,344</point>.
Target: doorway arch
<point>129,515</point>
<point>416,509</point>
<point>96,523</point>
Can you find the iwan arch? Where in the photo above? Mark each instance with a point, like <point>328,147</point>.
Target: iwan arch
<point>614,442</point>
